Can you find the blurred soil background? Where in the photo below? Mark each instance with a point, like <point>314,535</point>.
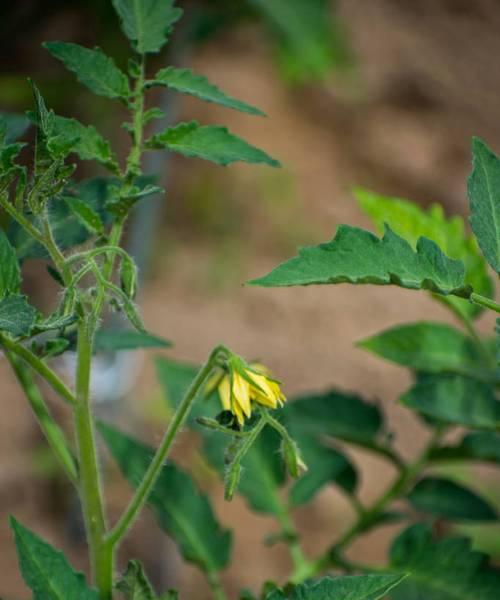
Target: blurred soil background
<point>423,78</point>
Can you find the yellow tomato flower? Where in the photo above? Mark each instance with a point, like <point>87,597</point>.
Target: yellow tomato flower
<point>244,384</point>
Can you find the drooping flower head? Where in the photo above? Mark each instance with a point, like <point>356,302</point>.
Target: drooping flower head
<point>240,385</point>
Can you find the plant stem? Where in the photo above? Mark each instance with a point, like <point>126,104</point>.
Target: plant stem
<point>486,302</point>
<point>216,586</point>
<point>366,519</point>
<point>53,433</point>
<point>101,553</point>
<point>40,367</point>
<point>141,495</point>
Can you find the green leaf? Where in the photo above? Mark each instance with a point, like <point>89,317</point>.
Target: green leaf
<point>344,416</point>
<point>441,569</point>
<point>325,465</point>
<point>15,124</point>
<point>479,445</point>
<point>263,471</point>
<point>86,214</point>
<point>10,274</point>
<point>55,321</point>
<point>428,346</point>
<point>411,221</point>
<point>349,587</point>
<point>147,23</point>
<point>17,317</point>
<point>46,571</point>
<point>186,82</point>
<point>210,142</point>
<point>92,68</point>
<point>85,141</point>
<point>181,510</point>
<point>450,500</point>
<point>484,196</point>
<point>454,399</point>
<point>109,340</point>
<point>134,584</point>
<point>357,256</point>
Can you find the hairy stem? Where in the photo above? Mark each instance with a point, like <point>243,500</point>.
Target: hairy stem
<point>101,553</point>
<point>53,433</point>
<point>141,495</point>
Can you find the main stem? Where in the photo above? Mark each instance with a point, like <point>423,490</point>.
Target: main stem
<point>101,553</point>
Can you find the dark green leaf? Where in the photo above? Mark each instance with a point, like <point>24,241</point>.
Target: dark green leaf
<point>454,399</point>
<point>186,82</point>
<point>411,221</point>
<point>210,142</point>
<point>325,465</point>
<point>17,317</point>
<point>108,340</point>
<point>484,196</point>
<point>85,141</point>
<point>358,256</point>
<point>15,125</point>
<point>479,445</point>
<point>134,584</point>
<point>357,587</point>
<point>46,571</point>
<point>345,416</point>
<point>441,570</point>
<point>10,275</point>
<point>181,510</point>
<point>92,67</point>
<point>445,498</point>
<point>86,214</point>
<point>147,23</point>
<point>428,346</point>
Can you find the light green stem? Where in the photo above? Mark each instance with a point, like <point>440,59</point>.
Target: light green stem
<point>101,553</point>
<point>150,477</point>
<point>53,433</point>
<point>486,302</point>
<point>40,367</point>
<point>215,583</point>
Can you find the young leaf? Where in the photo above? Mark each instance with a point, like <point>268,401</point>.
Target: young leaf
<point>17,317</point>
<point>92,68</point>
<point>357,587</point>
<point>134,584</point>
<point>46,570</point>
<point>441,570</point>
<point>484,196</point>
<point>186,82</point>
<point>209,142</point>
<point>411,221</point>
<point>10,274</point>
<point>85,141</point>
<point>445,498</point>
<point>427,346</point>
<point>108,340</point>
<point>479,445</point>
<point>86,214</point>
<point>181,510</point>
<point>147,23</point>
<point>357,256</point>
<point>454,399</point>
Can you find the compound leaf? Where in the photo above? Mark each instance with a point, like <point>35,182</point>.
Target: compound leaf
<point>427,346</point>
<point>147,23</point>
<point>454,399</point>
<point>17,317</point>
<point>92,68</point>
<point>411,221</point>
<point>46,570</point>
<point>447,569</point>
<point>450,500</point>
<point>484,196</point>
<point>186,82</point>
<point>358,256</point>
<point>210,142</point>
<point>181,510</point>
<point>10,274</point>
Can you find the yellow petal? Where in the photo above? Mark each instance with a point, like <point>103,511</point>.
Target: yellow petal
<point>225,393</point>
<point>268,401</point>
<point>241,393</point>
<point>264,384</point>
<point>213,382</point>
<point>238,412</point>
